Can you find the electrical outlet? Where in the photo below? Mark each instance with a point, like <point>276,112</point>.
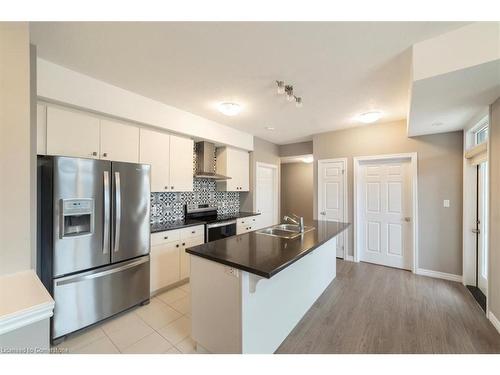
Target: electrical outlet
<point>446,203</point>
<point>231,271</point>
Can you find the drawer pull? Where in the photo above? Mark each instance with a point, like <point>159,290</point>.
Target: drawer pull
<point>193,231</point>
<point>183,244</point>
<point>165,238</point>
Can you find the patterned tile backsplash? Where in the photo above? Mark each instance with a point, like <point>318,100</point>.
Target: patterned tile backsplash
<point>167,207</point>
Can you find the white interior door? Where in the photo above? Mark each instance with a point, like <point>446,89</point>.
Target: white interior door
<point>266,190</point>
<point>331,193</point>
<point>385,209</point>
<point>483,227</point>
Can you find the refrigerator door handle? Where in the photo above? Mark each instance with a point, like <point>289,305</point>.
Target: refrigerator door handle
<point>118,211</point>
<point>106,237</point>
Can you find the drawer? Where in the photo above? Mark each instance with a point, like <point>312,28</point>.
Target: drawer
<point>190,232</point>
<point>165,237</point>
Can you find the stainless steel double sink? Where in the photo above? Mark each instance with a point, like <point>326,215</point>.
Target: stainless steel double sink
<point>286,231</point>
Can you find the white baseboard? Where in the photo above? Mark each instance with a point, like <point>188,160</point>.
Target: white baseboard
<point>350,258</point>
<point>493,319</point>
<point>439,275</point>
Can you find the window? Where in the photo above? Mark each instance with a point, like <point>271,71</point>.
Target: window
<point>481,131</point>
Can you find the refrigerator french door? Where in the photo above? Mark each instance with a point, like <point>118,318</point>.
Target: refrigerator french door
<point>93,220</point>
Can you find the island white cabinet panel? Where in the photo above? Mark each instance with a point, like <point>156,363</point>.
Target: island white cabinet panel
<point>235,164</point>
<point>164,265</point>
<point>71,133</point>
<point>155,150</point>
<point>119,142</point>
<point>181,164</point>
<point>234,311</point>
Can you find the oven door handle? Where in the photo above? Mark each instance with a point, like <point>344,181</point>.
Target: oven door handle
<point>223,224</point>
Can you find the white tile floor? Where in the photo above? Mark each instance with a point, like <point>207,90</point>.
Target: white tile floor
<point>163,326</point>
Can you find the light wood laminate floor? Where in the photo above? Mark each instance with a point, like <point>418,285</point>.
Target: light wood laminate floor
<point>376,309</point>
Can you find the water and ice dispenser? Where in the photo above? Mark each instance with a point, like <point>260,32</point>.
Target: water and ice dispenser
<point>77,217</point>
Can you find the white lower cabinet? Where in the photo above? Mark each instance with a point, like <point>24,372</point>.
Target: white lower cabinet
<point>164,265</point>
<point>169,260</point>
<point>247,224</point>
<point>184,257</point>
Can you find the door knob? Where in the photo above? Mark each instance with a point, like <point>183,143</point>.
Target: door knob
<point>323,213</point>
<point>407,219</point>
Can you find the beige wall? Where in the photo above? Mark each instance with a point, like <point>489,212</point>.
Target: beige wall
<point>297,189</point>
<point>494,242</point>
<point>439,177</point>
<point>16,150</point>
<point>294,149</point>
<point>264,152</point>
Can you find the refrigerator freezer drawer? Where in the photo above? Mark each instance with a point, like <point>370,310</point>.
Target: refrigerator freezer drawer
<point>86,298</point>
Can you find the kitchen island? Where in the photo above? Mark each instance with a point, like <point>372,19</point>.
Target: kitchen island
<point>249,291</point>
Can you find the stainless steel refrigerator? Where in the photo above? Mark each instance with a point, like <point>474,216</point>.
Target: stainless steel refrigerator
<point>93,238</point>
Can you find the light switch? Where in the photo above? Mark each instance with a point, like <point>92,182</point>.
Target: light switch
<point>446,203</point>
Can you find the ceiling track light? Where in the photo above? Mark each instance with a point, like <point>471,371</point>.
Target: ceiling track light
<point>283,88</point>
<point>298,101</point>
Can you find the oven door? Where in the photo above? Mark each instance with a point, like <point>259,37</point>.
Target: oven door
<point>216,231</point>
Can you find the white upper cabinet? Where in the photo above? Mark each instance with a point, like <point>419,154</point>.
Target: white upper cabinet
<point>155,150</point>
<point>171,159</point>
<point>181,164</point>
<point>119,142</point>
<point>77,134</point>
<point>235,164</point>
<point>71,133</point>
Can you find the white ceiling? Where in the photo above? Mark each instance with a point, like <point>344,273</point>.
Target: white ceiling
<point>339,68</point>
<point>448,102</point>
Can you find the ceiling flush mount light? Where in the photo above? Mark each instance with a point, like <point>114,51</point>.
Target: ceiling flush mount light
<point>229,109</point>
<point>283,88</point>
<point>437,124</point>
<point>370,117</point>
<point>269,128</point>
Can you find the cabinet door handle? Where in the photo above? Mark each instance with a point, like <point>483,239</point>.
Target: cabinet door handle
<point>166,187</point>
<point>105,155</point>
<point>183,244</point>
<point>165,238</point>
<point>171,187</point>
<point>177,245</point>
<point>193,232</point>
<point>94,153</point>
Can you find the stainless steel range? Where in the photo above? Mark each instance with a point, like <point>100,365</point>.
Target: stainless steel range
<point>93,238</point>
<point>216,226</point>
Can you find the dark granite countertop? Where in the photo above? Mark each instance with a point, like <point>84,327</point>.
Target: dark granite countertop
<point>170,225</point>
<point>178,224</point>
<point>266,255</point>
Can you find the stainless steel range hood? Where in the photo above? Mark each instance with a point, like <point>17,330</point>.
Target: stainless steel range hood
<point>205,162</point>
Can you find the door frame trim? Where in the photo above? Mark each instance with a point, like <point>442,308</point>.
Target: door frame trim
<point>276,187</point>
<point>412,156</point>
<point>346,199</point>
